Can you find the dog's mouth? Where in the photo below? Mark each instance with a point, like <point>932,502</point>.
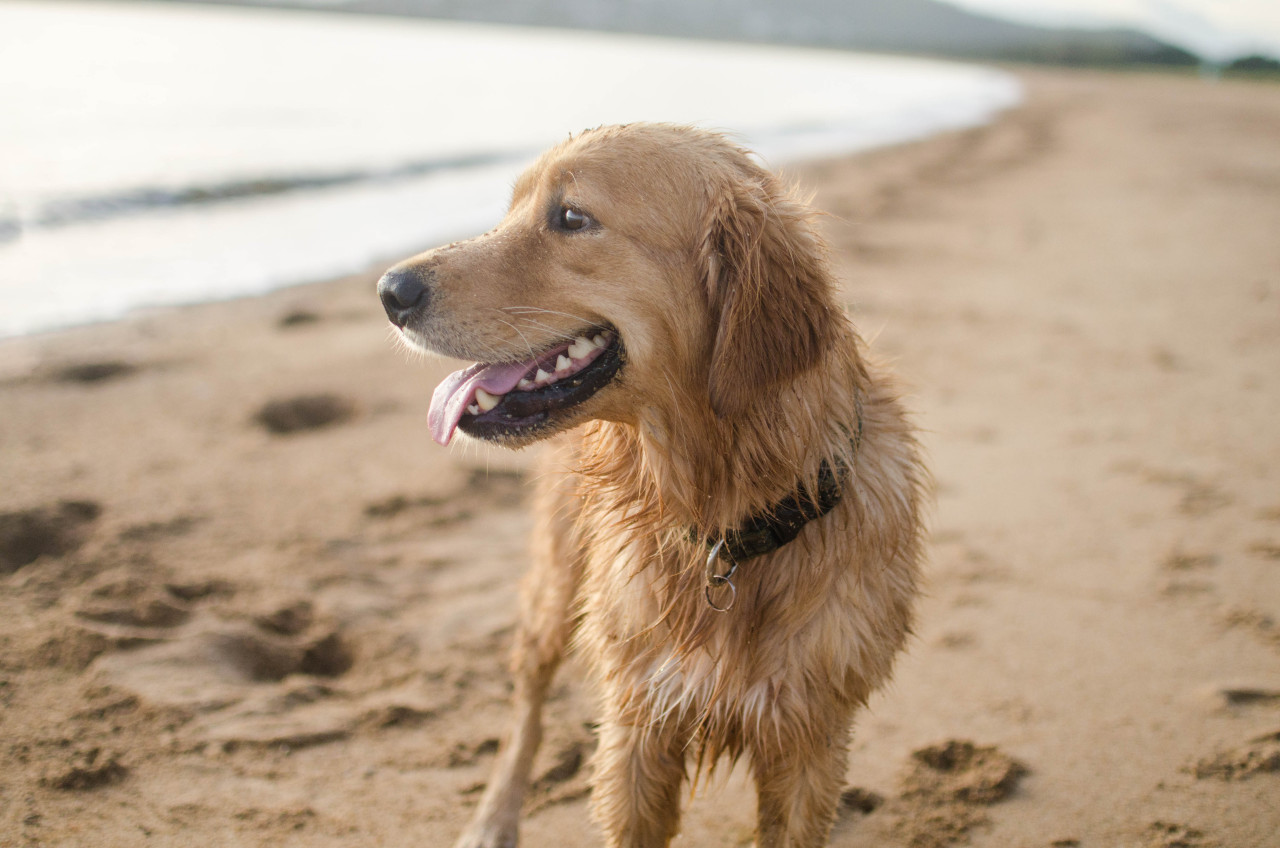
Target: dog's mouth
<point>514,398</point>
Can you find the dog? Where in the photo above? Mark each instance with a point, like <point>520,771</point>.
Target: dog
<point>730,526</point>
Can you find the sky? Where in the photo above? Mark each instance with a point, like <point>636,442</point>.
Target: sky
<point>1216,29</point>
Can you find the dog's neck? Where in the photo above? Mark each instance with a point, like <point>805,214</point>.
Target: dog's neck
<point>698,472</point>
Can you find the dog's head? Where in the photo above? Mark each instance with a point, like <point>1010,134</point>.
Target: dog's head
<point>637,265</point>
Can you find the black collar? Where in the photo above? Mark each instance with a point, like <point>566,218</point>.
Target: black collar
<point>767,531</point>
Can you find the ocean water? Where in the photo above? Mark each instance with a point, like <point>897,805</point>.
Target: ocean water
<point>159,154</point>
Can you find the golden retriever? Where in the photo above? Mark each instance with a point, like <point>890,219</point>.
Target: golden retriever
<point>733,532</point>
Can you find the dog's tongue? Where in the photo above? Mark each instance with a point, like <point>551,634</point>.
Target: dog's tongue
<point>456,392</point>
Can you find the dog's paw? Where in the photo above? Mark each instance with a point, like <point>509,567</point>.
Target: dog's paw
<point>488,835</point>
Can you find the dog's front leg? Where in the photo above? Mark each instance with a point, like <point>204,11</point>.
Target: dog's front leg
<point>542,632</point>
<point>636,783</point>
<point>798,781</point>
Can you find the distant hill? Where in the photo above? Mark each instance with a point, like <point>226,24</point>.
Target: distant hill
<point>900,26</point>
<point>1253,66</point>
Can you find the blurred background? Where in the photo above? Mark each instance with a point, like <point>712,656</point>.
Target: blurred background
<point>163,153</point>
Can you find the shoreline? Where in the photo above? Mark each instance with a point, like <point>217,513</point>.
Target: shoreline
<point>231,633</point>
<point>209,201</point>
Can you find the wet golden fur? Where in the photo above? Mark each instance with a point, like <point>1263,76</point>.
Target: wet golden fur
<point>742,376</point>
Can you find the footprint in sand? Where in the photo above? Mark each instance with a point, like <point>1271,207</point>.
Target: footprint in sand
<point>1263,627</point>
<point>287,620</point>
<point>956,640</point>
<point>484,488</point>
<point>94,372</point>
<point>151,531</point>
<point>568,762</point>
<point>946,789</point>
<point>298,318</point>
<point>130,601</point>
<point>426,510</point>
<point>467,755</point>
<point>87,770</point>
<point>1199,497</point>
<point>55,530</point>
<point>557,785</point>
<point>118,610</point>
<point>247,683</point>
<point>1181,560</point>
<point>247,673</point>
<point>856,801</point>
<point>1167,835</point>
<point>958,770</point>
<point>1261,755</point>
<point>262,656</point>
<point>1249,696</point>
<point>298,414</point>
<point>1267,549</point>
<point>200,590</point>
<point>1183,569</point>
<point>185,649</point>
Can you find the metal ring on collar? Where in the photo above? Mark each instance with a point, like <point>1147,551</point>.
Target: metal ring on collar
<point>733,596</point>
<point>715,580</point>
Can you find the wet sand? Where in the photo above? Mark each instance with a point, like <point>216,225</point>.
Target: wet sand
<point>244,599</point>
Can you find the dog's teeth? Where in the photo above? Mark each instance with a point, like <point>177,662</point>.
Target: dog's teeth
<point>541,378</point>
<point>525,384</point>
<point>580,348</point>
<point>473,409</point>
<point>599,341</point>
<point>485,400</point>
<point>563,363</point>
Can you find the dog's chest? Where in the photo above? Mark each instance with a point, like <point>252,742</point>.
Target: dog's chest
<point>656,638</point>
<point>708,684</point>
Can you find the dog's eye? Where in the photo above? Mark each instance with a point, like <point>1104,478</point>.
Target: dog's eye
<point>572,219</point>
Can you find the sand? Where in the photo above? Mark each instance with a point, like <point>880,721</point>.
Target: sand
<point>245,600</point>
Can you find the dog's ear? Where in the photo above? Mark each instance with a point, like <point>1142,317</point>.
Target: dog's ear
<point>769,291</point>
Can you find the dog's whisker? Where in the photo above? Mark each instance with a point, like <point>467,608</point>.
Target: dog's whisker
<point>539,325</point>
<point>526,320</point>
<point>528,345</point>
<point>535,309</point>
<point>398,340</point>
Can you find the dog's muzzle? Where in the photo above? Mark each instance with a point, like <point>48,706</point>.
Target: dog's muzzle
<point>404,291</point>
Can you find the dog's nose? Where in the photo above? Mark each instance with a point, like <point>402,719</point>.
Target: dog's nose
<point>403,291</point>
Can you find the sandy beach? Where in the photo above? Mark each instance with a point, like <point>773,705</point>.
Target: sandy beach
<point>245,600</point>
